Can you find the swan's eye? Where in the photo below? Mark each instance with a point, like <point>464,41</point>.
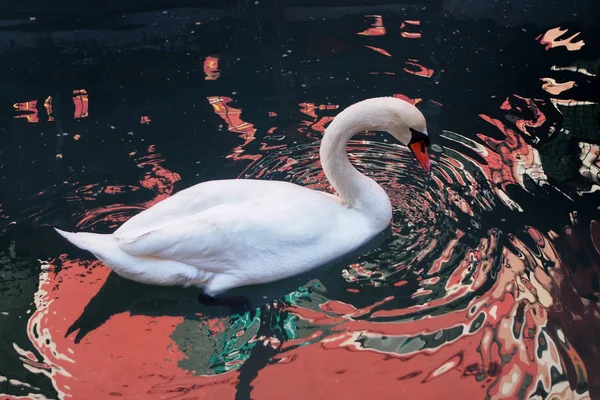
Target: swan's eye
<point>419,137</point>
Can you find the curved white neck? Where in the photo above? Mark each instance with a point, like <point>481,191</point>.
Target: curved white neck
<point>355,189</point>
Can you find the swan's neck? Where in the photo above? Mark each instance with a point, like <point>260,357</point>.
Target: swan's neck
<point>355,189</point>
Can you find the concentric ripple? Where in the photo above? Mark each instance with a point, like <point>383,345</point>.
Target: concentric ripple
<point>431,213</point>
<point>452,294</point>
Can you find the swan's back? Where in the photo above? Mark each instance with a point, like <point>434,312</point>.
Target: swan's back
<point>199,198</point>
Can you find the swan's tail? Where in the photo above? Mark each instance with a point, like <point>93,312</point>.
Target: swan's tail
<point>93,242</point>
<point>150,270</point>
<point>105,248</point>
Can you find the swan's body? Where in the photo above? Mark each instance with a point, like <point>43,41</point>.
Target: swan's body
<point>224,234</point>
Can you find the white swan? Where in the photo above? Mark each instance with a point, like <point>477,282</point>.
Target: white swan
<point>224,234</point>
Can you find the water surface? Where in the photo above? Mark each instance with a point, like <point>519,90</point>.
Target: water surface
<point>486,285</point>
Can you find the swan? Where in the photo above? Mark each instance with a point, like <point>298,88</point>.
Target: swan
<point>224,234</point>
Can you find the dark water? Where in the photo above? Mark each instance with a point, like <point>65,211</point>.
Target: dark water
<point>486,286</point>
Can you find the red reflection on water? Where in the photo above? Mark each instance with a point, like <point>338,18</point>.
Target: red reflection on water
<point>504,330</point>
<point>511,157</point>
<point>537,120</point>
<point>379,50</point>
<point>232,116</point>
<point>211,68</point>
<point>376,29</point>
<point>48,107</point>
<point>134,354</point>
<point>317,124</point>
<point>551,39</point>
<point>460,202</point>
<point>410,35</point>
<point>89,192</point>
<point>27,110</point>
<point>408,99</point>
<point>80,99</point>
<point>156,178</point>
<point>310,108</point>
<point>447,253</point>
<point>551,86</point>
<point>414,68</point>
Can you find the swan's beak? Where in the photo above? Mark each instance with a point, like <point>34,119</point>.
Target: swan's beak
<point>419,149</point>
<point>418,145</point>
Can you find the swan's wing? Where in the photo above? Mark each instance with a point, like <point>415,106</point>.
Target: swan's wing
<point>196,199</point>
<point>228,232</point>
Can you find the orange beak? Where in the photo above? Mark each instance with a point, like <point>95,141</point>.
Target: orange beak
<point>419,149</point>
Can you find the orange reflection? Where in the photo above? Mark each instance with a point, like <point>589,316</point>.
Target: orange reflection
<point>381,51</point>
<point>317,124</point>
<point>48,107</point>
<point>415,68</point>
<point>551,86</point>
<point>80,98</point>
<point>376,29</point>
<point>27,110</point>
<point>408,99</point>
<point>309,108</point>
<point>410,35</point>
<point>211,68</point>
<point>231,116</point>
<point>550,40</point>
<point>510,159</point>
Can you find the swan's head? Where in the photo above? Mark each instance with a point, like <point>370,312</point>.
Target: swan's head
<point>408,126</point>
<point>398,117</point>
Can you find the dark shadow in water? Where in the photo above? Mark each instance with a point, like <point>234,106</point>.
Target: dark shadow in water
<point>259,358</point>
<point>118,295</point>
